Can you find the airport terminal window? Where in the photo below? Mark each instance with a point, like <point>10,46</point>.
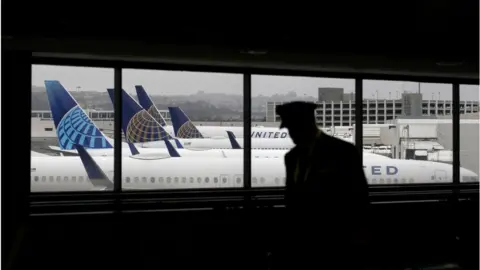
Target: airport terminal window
<point>416,149</point>
<point>270,89</point>
<point>469,135</point>
<point>66,94</point>
<point>201,108</point>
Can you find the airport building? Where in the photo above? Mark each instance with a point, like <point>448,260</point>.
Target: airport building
<point>336,108</point>
<point>93,114</point>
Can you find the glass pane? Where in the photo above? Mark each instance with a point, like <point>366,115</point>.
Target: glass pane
<point>469,139</point>
<point>63,97</point>
<point>335,116</point>
<point>177,123</point>
<point>402,133</point>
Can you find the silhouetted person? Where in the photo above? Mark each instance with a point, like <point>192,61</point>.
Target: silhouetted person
<point>326,198</point>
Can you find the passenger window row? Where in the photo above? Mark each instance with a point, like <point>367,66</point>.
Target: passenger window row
<point>389,181</point>
<point>263,180</point>
<point>59,179</point>
<point>181,180</point>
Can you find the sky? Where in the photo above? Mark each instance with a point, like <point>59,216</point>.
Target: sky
<point>186,83</point>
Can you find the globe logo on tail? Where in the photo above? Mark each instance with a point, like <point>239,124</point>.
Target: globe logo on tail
<point>155,114</point>
<point>76,128</point>
<point>188,130</point>
<point>143,128</point>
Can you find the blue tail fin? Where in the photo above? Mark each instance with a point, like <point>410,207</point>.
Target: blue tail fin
<point>133,149</point>
<point>183,127</point>
<point>94,172</point>
<point>148,105</point>
<point>171,149</point>
<point>72,124</point>
<point>233,140</point>
<point>137,124</point>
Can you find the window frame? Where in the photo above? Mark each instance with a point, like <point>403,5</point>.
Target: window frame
<point>248,191</point>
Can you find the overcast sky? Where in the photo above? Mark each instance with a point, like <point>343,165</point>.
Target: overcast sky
<point>185,83</point>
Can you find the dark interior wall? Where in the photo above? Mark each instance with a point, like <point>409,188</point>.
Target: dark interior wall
<point>16,87</point>
<point>402,235</point>
<point>433,38</point>
<point>391,40</point>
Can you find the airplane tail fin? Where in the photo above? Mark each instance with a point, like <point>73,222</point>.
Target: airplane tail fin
<point>73,125</point>
<point>95,174</point>
<point>233,140</point>
<point>171,150</point>
<point>137,124</point>
<point>147,103</point>
<point>183,127</point>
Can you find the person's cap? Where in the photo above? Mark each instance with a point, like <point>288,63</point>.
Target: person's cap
<point>296,112</point>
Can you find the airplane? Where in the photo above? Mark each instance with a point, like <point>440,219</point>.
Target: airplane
<point>165,152</point>
<point>182,127</point>
<point>73,126</point>
<point>141,129</point>
<point>76,174</point>
<point>63,106</point>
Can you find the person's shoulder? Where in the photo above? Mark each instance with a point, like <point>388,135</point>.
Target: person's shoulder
<point>335,141</point>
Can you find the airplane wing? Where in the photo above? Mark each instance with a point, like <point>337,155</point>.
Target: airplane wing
<point>96,175</point>
<point>133,149</point>
<point>62,151</point>
<point>171,149</point>
<point>233,140</point>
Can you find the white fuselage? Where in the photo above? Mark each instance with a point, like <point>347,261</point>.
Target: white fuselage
<point>68,173</point>
<point>255,133</point>
<point>221,131</point>
<point>216,143</point>
<point>225,153</point>
<point>223,143</point>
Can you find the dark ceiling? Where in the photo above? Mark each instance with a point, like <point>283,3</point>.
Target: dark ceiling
<point>431,38</point>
